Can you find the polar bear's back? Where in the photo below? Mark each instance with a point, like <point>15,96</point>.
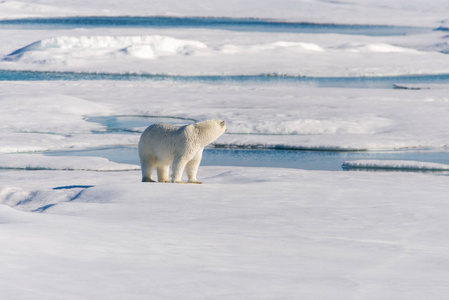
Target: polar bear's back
<point>159,140</point>
<point>163,128</point>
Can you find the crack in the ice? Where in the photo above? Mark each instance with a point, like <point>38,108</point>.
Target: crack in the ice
<point>44,208</point>
<point>47,206</point>
<point>66,187</point>
<point>27,200</point>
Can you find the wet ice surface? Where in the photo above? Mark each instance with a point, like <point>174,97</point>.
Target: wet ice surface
<point>275,158</point>
<point>308,160</point>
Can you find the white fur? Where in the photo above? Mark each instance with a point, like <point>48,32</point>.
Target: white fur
<point>162,145</point>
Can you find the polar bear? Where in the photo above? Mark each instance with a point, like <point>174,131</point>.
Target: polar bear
<point>162,145</point>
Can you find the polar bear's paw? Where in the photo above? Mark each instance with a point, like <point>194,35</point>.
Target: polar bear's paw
<point>165,181</point>
<point>179,181</point>
<point>146,179</point>
<point>194,181</point>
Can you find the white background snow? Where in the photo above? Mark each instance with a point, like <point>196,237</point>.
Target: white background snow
<point>87,228</point>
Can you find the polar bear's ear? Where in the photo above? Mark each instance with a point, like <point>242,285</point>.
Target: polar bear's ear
<point>223,123</point>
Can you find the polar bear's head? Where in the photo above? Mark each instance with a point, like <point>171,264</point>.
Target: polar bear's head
<point>223,125</point>
<point>210,130</point>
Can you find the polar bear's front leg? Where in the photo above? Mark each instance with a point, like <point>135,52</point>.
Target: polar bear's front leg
<point>192,167</point>
<point>178,168</point>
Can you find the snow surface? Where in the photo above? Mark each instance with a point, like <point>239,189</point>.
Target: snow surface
<point>87,228</point>
<point>245,233</point>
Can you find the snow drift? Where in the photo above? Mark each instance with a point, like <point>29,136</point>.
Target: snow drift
<point>66,47</point>
<point>379,47</point>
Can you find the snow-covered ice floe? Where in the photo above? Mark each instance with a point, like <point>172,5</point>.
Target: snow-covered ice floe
<point>227,53</point>
<point>399,165</point>
<point>55,116</point>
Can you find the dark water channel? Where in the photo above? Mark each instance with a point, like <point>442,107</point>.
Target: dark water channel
<point>373,82</point>
<point>236,24</point>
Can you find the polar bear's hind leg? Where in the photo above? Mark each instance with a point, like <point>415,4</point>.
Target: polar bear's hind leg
<point>163,173</point>
<point>148,167</point>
